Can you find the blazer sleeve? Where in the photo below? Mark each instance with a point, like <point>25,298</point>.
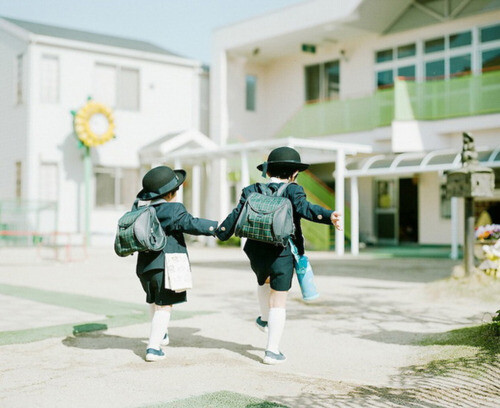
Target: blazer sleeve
<point>227,227</point>
<point>185,222</point>
<point>307,210</point>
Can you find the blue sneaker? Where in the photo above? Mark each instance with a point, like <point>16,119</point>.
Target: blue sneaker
<point>261,324</point>
<point>273,358</point>
<point>154,355</point>
<point>165,340</point>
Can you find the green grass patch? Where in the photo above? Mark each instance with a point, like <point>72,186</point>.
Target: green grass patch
<point>221,399</point>
<point>486,337</point>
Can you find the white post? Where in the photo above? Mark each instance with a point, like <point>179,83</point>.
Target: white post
<point>224,190</point>
<point>245,178</point>
<point>339,198</point>
<point>180,195</point>
<point>196,190</point>
<point>454,228</point>
<point>354,216</point>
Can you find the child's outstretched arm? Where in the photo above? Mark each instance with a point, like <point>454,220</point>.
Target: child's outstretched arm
<point>227,227</point>
<point>185,222</point>
<point>313,212</point>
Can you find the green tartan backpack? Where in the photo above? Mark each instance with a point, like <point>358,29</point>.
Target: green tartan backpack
<point>139,230</point>
<point>266,217</point>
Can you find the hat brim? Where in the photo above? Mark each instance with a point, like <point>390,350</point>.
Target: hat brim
<point>285,164</point>
<point>145,195</point>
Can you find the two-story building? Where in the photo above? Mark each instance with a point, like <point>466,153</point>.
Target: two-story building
<point>404,77</point>
<point>46,73</point>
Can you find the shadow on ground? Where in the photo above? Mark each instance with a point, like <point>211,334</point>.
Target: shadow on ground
<point>397,270</point>
<point>464,382</point>
<point>180,337</point>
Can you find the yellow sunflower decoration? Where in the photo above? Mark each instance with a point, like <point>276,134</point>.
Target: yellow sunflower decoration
<point>94,124</point>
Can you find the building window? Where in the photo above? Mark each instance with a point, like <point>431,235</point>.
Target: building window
<point>49,81</point>
<point>490,47</point>
<point>115,187</point>
<point>19,79</point>
<point>251,92</point>
<point>48,182</point>
<point>19,179</point>
<point>322,81</point>
<point>117,87</point>
<point>395,62</point>
<point>431,59</point>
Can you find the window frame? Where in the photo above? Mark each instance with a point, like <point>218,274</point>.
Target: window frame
<point>117,174</point>
<point>19,68</point>
<point>251,107</point>
<point>474,50</point>
<point>58,80</point>
<point>323,84</point>
<point>118,97</point>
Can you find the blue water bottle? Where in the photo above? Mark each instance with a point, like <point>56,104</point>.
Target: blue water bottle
<point>305,275</point>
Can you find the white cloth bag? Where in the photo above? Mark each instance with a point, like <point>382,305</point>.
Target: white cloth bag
<point>178,275</point>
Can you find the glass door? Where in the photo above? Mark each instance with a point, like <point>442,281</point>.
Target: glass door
<point>386,211</point>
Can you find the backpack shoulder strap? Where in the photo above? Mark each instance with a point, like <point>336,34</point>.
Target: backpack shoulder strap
<point>264,188</point>
<point>281,190</point>
<point>135,206</point>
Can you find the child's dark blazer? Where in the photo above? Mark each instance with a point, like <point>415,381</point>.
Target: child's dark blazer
<point>175,220</point>
<point>301,209</point>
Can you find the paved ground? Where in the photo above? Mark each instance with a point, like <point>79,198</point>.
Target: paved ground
<point>364,343</point>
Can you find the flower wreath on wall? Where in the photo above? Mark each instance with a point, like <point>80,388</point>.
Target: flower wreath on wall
<point>94,124</point>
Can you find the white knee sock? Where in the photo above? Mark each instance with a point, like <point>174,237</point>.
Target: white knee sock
<point>263,293</point>
<point>275,325</point>
<point>159,325</point>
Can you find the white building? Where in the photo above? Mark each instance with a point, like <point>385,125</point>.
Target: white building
<point>327,70</point>
<point>45,73</point>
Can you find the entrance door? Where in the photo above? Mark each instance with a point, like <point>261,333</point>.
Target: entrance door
<point>408,210</point>
<point>386,211</point>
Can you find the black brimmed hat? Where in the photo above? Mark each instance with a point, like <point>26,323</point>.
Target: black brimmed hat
<point>283,157</point>
<point>159,181</point>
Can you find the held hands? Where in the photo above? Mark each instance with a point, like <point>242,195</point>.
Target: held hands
<point>336,218</point>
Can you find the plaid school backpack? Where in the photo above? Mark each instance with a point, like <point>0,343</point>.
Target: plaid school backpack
<point>139,230</point>
<point>266,217</point>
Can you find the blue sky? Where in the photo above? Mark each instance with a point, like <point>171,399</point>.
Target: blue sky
<point>181,26</point>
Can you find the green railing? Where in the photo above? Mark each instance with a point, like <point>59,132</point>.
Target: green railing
<point>320,237</point>
<point>341,116</point>
<point>463,96</point>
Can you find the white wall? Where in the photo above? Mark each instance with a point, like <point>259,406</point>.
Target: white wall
<point>13,117</point>
<point>432,228</point>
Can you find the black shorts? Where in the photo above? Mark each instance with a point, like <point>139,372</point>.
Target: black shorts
<point>154,285</point>
<point>279,270</point>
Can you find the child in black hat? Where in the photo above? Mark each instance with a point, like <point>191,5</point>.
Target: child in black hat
<point>160,187</point>
<point>273,265</point>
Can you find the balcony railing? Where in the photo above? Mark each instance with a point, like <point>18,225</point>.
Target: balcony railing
<point>408,100</point>
<point>464,96</point>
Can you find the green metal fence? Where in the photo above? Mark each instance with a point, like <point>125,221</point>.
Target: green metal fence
<point>408,100</point>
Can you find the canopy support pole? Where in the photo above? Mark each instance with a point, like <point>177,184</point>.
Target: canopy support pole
<point>354,216</point>
<point>339,198</point>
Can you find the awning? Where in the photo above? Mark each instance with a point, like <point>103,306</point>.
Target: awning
<point>408,163</point>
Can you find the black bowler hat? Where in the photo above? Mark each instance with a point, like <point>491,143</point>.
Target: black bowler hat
<point>159,181</point>
<point>283,157</point>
